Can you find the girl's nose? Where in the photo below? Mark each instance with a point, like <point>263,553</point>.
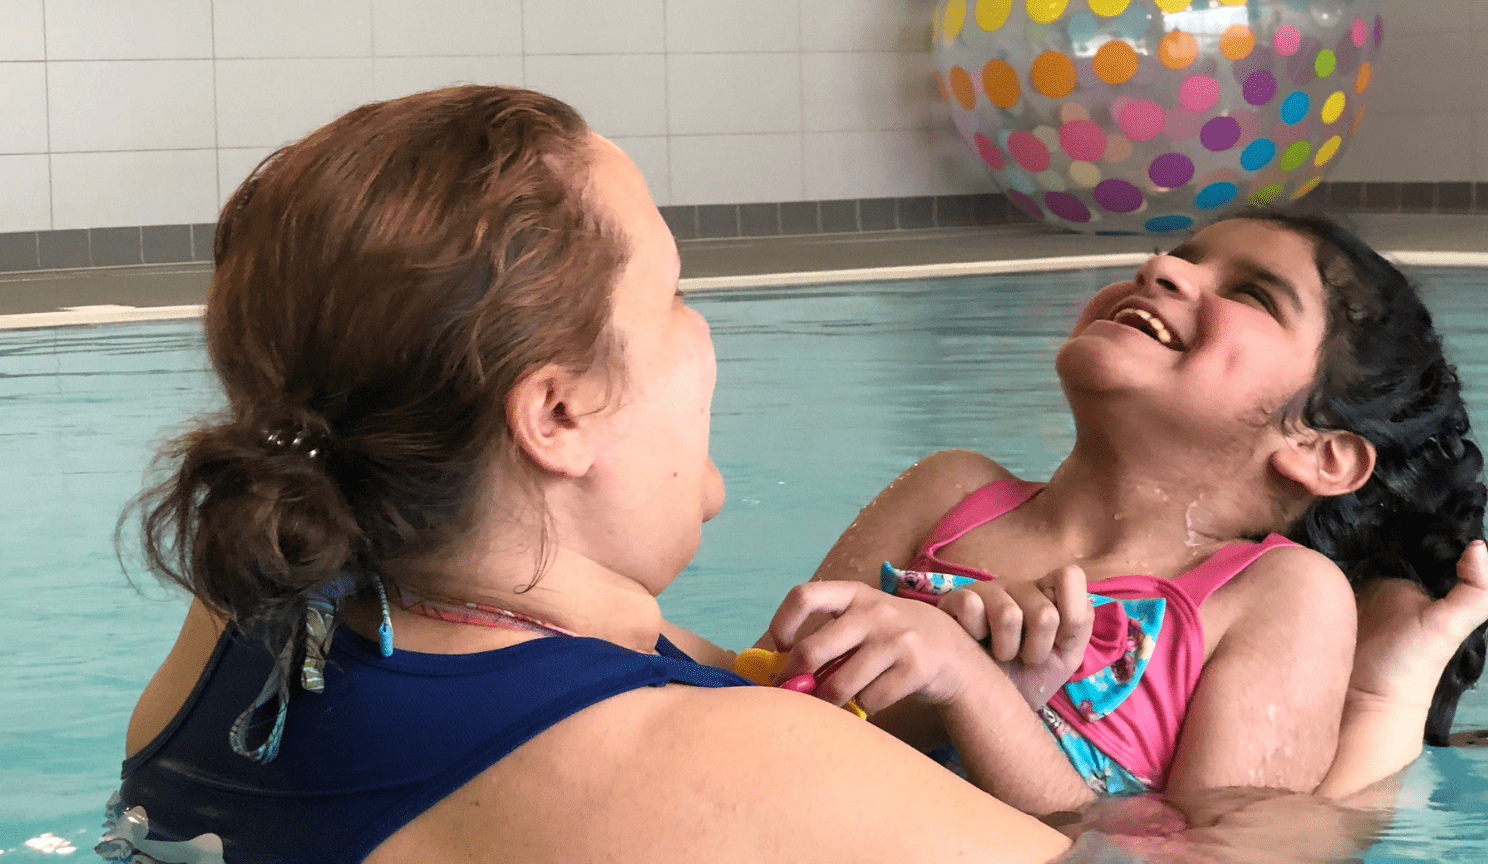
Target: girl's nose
<point>1169,274</point>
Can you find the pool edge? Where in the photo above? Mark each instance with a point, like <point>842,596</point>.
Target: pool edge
<point>111,314</point>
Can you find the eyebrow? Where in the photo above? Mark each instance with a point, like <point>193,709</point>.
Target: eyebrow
<point>1191,250</point>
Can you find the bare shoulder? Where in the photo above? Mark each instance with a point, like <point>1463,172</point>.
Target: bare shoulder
<point>1301,574</point>
<point>967,470</point>
<point>936,483</point>
<point>1294,593</point>
<point>722,775</point>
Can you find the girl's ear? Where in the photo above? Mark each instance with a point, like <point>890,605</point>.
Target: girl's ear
<point>550,413</point>
<point>1325,462</point>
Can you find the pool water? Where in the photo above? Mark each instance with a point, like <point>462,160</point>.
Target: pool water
<point>824,395</point>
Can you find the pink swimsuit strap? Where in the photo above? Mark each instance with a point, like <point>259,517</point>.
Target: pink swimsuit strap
<point>1002,496</point>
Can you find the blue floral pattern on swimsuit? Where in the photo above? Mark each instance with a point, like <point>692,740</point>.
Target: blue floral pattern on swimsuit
<point>1098,694</point>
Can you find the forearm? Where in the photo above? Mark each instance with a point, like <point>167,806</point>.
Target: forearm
<point>1006,749</point>
<point>1377,739</point>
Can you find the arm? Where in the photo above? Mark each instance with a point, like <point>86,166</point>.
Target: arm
<point>901,651</point>
<point>1405,641</point>
<point>1267,706</point>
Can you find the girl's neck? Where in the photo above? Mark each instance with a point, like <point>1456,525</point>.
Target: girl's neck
<point>1157,509</point>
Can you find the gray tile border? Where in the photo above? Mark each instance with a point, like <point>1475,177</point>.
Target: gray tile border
<point>171,244</point>
<point>114,247</point>
<point>800,217</point>
<point>1344,197</point>
<point>1382,197</point>
<point>1454,197</point>
<point>840,216</point>
<point>682,219</point>
<point>1417,197</point>
<point>876,214</point>
<point>166,244</point>
<point>202,237</point>
<point>915,212</point>
<point>718,220</point>
<point>18,252</point>
<point>954,211</point>
<point>759,220</point>
<point>60,250</point>
<point>991,209</point>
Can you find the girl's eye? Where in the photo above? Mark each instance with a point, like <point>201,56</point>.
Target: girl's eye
<point>1259,295</point>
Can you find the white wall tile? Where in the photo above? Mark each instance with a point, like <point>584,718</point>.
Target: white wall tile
<point>398,76</point>
<point>22,30</point>
<point>23,104</point>
<point>1429,16</point>
<point>1428,74</point>
<point>721,94</point>
<point>650,156</point>
<point>28,197</point>
<point>1480,147</point>
<point>881,164</point>
<point>756,25</point>
<point>267,103</point>
<point>292,28</point>
<point>131,105</point>
<point>128,29</point>
<point>233,166</point>
<point>729,169</point>
<point>866,25</point>
<point>618,94</point>
<point>435,28</point>
<point>594,27</point>
<point>98,190</point>
<point>953,170</point>
<point>858,91</point>
<point>1409,148</point>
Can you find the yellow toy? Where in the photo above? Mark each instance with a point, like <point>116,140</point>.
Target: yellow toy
<point>761,667</point>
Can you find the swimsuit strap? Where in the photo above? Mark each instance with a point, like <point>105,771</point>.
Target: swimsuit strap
<point>1224,565</point>
<point>978,508</point>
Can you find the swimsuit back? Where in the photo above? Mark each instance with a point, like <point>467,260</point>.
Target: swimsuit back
<point>388,738</point>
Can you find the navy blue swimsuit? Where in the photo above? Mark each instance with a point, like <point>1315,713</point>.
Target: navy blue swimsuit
<point>388,738</point>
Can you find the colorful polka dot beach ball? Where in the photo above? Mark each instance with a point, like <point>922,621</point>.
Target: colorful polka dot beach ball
<point>1154,115</point>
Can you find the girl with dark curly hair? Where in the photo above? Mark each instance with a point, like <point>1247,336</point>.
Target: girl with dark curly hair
<point>1265,424</point>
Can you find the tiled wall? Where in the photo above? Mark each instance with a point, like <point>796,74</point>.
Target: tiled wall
<point>1428,110</point>
<point>148,112</point>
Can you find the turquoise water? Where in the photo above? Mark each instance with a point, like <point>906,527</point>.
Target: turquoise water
<point>824,395</point>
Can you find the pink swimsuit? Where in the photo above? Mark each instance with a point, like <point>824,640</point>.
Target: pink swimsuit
<point>1129,696</point>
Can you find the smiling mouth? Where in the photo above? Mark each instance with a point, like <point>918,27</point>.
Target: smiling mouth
<point>1146,322</point>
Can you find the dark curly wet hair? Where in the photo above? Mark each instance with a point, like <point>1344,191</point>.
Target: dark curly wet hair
<point>1383,375</point>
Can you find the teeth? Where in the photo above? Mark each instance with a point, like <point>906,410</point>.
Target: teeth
<point>1159,329</point>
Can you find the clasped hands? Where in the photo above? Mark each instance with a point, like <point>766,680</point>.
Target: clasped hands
<point>1037,632</point>
<point>892,647</point>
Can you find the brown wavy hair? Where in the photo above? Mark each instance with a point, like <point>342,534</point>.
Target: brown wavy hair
<point>378,289</point>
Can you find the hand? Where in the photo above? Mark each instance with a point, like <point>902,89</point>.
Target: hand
<point>1037,631</point>
<point>1406,639</point>
<point>889,647</point>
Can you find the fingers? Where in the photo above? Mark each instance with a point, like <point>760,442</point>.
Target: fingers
<point>1466,605</point>
<point>1076,613</point>
<point>969,610</point>
<point>802,601</point>
<point>1040,620</point>
<point>1472,567</point>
